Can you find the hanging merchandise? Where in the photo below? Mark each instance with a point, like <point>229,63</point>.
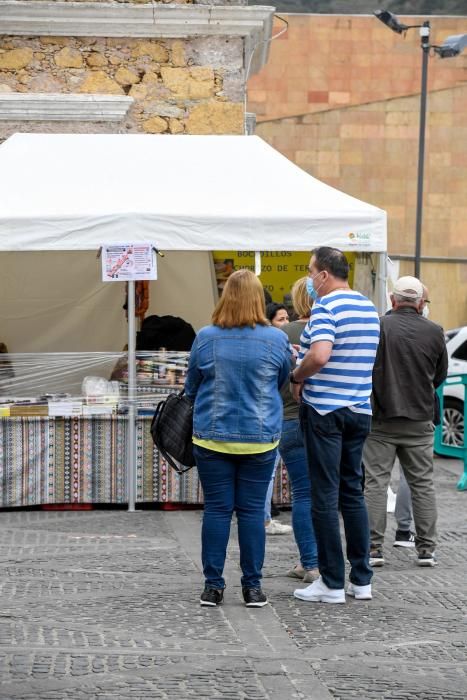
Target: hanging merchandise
<point>141,299</point>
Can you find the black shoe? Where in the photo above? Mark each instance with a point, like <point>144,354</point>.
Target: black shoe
<point>275,512</point>
<point>376,557</point>
<point>254,597</point>
<point>211,596</point>
<point>426,559</point>
<point>404,538</point>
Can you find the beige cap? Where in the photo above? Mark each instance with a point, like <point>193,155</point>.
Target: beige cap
<point>409,287</point>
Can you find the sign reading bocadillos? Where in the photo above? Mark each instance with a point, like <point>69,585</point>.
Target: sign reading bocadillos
<point>279,268</point>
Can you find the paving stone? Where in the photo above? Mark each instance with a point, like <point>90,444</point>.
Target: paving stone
<point>103,605</point>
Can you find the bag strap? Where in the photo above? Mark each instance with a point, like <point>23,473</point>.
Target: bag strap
<point>173,463</point>
<point>156,415</point>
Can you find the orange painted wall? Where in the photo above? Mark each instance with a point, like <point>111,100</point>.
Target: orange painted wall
<point>340,98</point>
<point>324,61</point>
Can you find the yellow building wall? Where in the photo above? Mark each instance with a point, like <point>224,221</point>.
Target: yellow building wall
<point>325,61</point>
<point>339,96</point>
<point>370,151</point>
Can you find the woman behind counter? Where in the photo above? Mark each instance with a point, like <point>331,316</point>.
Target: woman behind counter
<point>237,366</point>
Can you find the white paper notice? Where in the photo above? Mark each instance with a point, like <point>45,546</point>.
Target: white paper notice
<point>128,262</point>
<point>65,408</point>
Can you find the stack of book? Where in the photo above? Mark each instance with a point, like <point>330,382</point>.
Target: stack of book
<point>29,409</point>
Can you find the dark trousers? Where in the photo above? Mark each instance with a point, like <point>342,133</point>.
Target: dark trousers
<point>233,482</point>
<point>334,444</point>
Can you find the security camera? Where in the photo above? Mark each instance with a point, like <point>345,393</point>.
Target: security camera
<point>452,46</point>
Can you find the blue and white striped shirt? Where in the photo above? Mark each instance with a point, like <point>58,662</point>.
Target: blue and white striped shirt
<point>350,322</point>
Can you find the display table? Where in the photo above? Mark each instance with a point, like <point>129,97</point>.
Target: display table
<point>46,461</point>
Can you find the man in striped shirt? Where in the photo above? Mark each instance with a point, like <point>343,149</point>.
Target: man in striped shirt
<point>334,378</point>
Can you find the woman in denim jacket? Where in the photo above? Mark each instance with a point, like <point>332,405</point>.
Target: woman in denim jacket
<point>237,366</point>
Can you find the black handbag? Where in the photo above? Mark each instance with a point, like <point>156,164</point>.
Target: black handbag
<point>172,431</point>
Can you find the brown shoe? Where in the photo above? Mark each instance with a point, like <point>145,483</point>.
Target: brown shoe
<point>297,572</point>
<point>311,575</point>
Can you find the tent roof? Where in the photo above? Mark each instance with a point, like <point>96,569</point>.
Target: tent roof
<point>80,191</point>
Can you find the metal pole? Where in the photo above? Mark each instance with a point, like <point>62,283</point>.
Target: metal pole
<point>425,44</point>
<point>381,284</point>
<point>131,427</point>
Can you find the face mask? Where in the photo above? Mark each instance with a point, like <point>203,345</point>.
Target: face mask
<point>426,311</point>
<point>310,287</point>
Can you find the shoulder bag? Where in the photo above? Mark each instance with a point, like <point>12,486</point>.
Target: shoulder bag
<point>172,431</point>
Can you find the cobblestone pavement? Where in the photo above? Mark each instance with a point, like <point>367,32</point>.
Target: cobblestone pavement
<point>104,605</point>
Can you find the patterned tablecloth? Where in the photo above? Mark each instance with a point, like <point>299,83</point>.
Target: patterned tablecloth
<point>45,461</point>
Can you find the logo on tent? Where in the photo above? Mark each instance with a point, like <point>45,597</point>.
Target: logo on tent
<point>359,238</point>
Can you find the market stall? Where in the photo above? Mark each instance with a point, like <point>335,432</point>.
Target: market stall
<point>186,193</point>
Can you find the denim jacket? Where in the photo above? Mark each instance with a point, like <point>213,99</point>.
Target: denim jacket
<point>234,376</point>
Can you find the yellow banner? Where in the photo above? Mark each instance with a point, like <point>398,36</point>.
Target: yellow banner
<point>279,269</point>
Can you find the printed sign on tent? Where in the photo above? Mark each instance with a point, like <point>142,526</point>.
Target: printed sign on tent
<point>279,269</point>
<point>128,262</point>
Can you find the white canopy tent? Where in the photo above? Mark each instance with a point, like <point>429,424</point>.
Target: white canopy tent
<point>79,192</point>
<point>75,192</point>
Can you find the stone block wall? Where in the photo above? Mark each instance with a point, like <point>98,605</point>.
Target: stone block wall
<point>339,96</point>
<point>179,86</point>
<point>326,61</point>
<point>370,151</point>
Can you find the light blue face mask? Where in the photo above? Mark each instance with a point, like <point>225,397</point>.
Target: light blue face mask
<point>310,287</point>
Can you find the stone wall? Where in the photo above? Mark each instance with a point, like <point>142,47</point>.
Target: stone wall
<point>179,86</point>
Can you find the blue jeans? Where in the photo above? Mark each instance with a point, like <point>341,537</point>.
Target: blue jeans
<point>334,445</point>
<point>233,482</point>
<point>269,492</point>
<point>292,451</point>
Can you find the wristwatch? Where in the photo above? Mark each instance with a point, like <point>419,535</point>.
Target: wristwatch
<point>292,380</point>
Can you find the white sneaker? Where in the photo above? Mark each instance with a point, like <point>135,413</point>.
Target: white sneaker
<point>426,559</point>
<point>276,528</point>
<point>359,592</point>
<point>318,592</point>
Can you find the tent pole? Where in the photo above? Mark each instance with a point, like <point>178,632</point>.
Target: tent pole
<point>131,432</point>
<point>382,280</point>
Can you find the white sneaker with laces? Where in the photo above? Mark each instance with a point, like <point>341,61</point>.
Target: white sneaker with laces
<point>359,592</point>
<point>318,592</point>
<point>277,528</point>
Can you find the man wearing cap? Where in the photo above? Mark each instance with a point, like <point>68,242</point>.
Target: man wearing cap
<point>411,362</point>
